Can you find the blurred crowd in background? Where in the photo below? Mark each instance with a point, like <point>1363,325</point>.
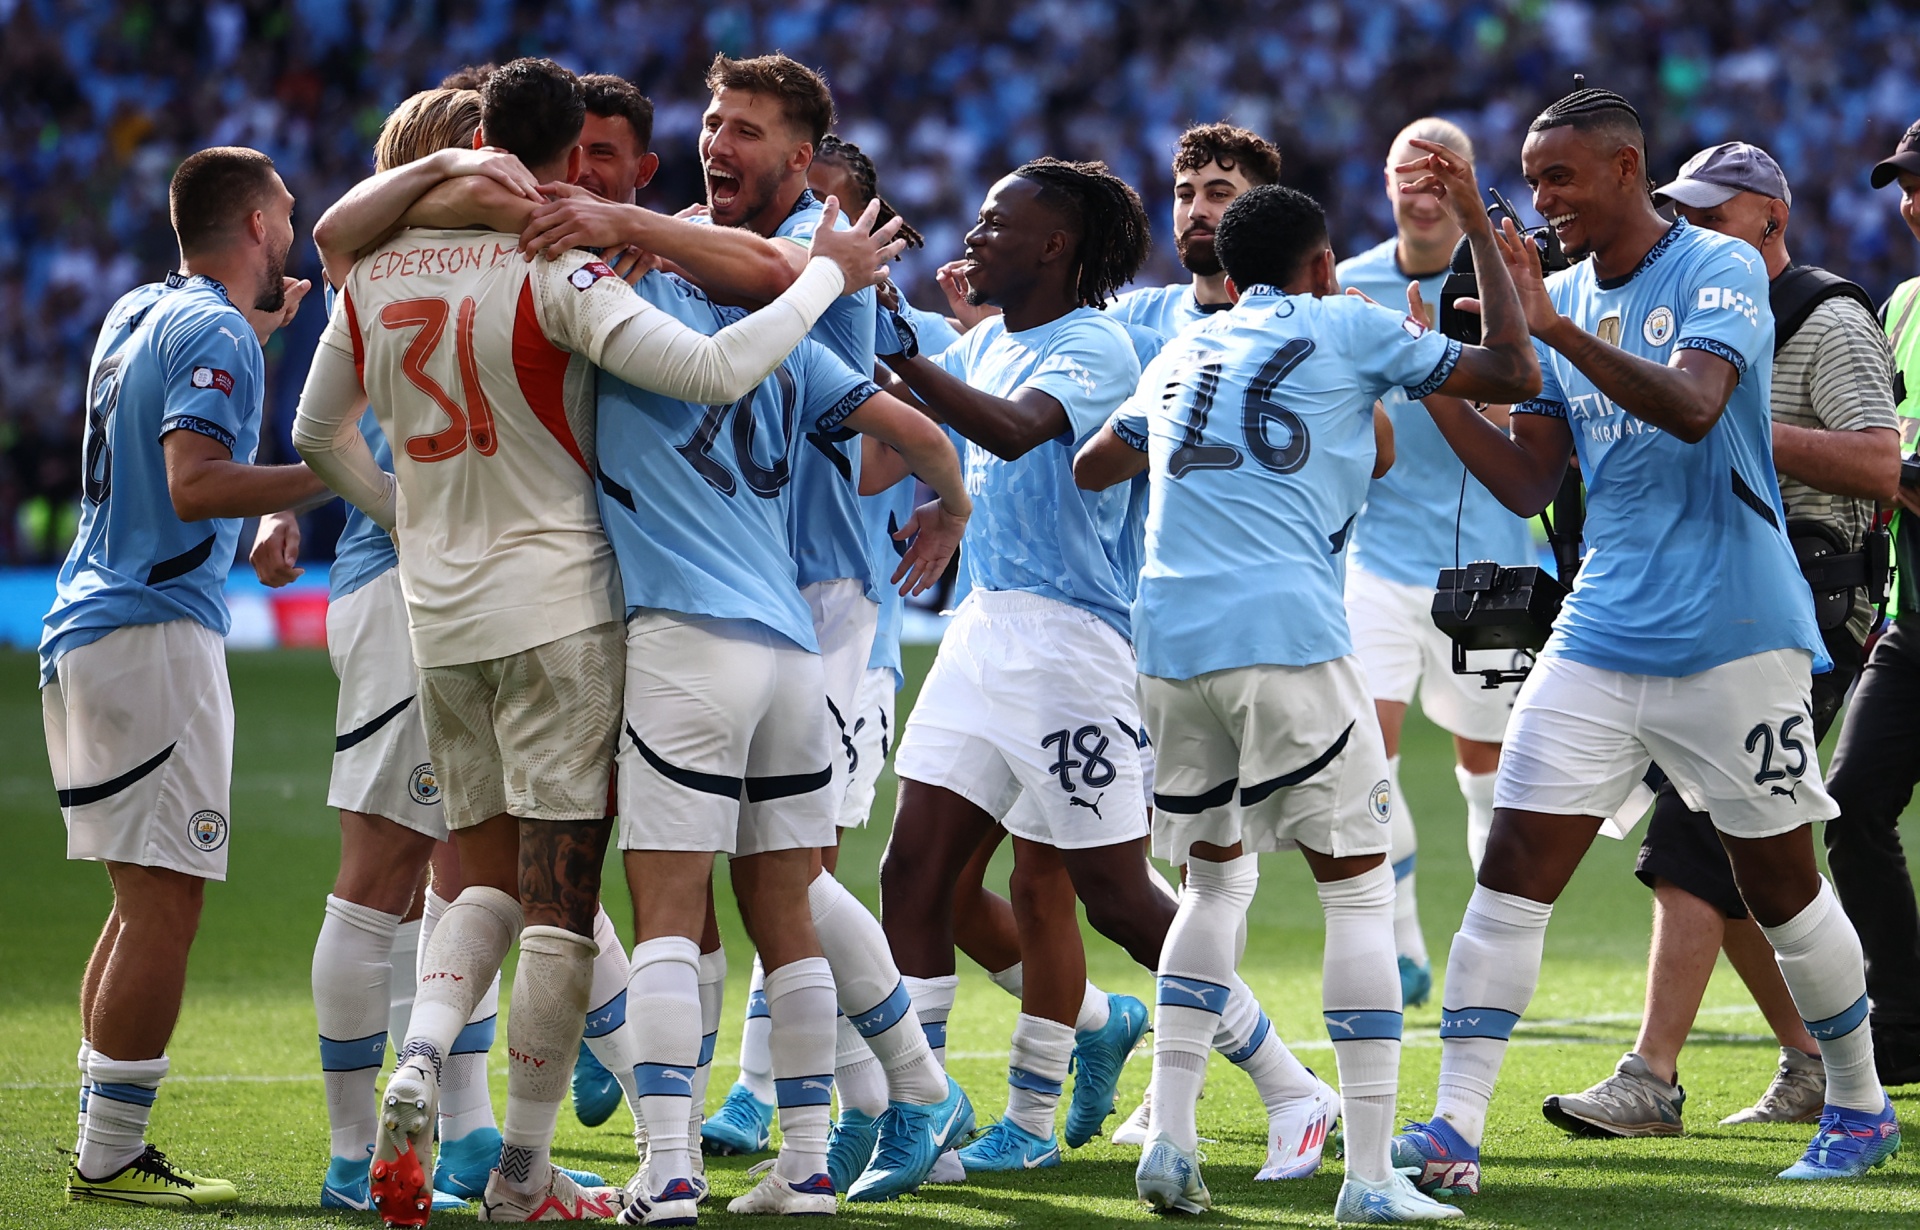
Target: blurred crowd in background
<point>99,101</point>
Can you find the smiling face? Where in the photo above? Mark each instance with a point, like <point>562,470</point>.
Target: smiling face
<point>1584,184</point>
<point>612,164</point>
<point>749,151</point>
<point>1199,198</point>
<point>1015,237</point>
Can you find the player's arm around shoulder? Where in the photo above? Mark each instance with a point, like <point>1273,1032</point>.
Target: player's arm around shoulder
<point>1855,451</point>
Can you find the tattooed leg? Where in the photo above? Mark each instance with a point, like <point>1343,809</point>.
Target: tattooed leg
<point>560,863</point>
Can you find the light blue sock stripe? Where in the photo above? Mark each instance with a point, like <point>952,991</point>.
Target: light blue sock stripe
<point>351,1055</point>
<point>936,1032</point>
<point>1185,992</point>
<point>1840,1024</point>
<point>706,1048</point>
<point>1404,868</point>
<point>889,1012</point>
<point>476,1038</point>
<point>757,1005</point>
<point>133,1095</point>
<point>607,1017</point>
<point>1020,1078</point>
<point>1260,1032</point>
<point>1478,1023</point>
<point>1367,1023</point>
<point>803,1090</point>
<point>663,1080</point>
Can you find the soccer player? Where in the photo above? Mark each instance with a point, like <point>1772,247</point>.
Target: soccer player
<point>1694,650</point>
<point>133,672</point>
<point>512,597</point>
<point>728,749</point>
<point>1264,740</point>
<point>1423,515</point>
<point>1837,448</point>
<point>1212,165</point>
<point>760,128</point>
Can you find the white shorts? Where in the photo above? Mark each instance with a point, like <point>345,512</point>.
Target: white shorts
<point>844,621</point>
<point>872,737</point>
<point>1272,756</point>
<point>727,745</point>
<point>380,761</point>
<point>1029,694</point>
<point>1736,741</point>
<point>1401,650</point>
<point>532,734</point>
<point>140,735</point>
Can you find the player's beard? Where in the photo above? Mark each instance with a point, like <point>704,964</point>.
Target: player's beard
<point>1197,254</point>
<point>273,291</point>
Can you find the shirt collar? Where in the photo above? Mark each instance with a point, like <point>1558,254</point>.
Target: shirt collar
<point>177,281</point>
<point>1660,245</point>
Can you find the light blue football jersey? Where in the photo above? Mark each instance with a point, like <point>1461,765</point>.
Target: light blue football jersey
<point>1406,533</point>
<point>1258,426</point>
<point>1164,309</point>
<point>1687,563</point>
<point>1130,556</point>
<point>829,534</point>
<point>695,499</point>
<point>364,550</point>
<point>930,329</point>
<point>173,356</point>
<point>1033,530</point>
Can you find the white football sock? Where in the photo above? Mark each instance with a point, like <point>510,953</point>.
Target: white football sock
<point>433,909</point>
<point>1360,993</point>
<point>352,971</point>
<point>756,1061</point>
<point>1402,852</point>
<point>1492,970</point>
<point>857,1074</point>
<point>664,991</point>
<point>713,997</point>
<point>404,956</point>
<point>1477,790</point>
<point>1093,1001</point>
<point>607,1035</point>
<point>466,1103</point>
<point>1819,955</point>
<point>800,1007</point>
<point>1042,1049</point>
<point>933,1004</point>
<point>86,1084</point>
<point>872,994</point>
<point>1196,964</point>
<point>456,967</point>
<point>118,1107</point>
<point>544,1024</point>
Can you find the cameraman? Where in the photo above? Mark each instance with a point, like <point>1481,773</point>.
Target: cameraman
<point>1688,637</point>
<point>1877,761</point>
<point>1835,447</point>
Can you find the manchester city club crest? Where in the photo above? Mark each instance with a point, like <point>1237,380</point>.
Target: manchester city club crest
<point>1659,327</point>
<point>208,830</point>
<point>424,786</point>
<point>1381,801</point>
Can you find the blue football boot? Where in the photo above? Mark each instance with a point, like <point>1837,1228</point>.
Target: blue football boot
<point>1098,1057</point>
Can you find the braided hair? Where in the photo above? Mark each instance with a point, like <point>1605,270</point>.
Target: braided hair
<point>856,163</point>
<point>1112,224</point>
<point>1587,110</point>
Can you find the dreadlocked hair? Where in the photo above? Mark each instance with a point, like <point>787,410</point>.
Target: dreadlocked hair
<point>861,167</point>
<point>1113,228</point>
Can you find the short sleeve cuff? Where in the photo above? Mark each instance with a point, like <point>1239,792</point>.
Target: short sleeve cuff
<point>852,400</point>
<point>1542,406</point>
<point>1129,436</point>
<point>1438,376</point>
<point>199,426</point>
<point>1714,347</point>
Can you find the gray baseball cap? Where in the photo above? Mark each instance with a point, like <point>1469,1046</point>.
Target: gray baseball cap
<point>1715,175</point>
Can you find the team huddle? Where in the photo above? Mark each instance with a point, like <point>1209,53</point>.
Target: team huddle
<point>635,502</point>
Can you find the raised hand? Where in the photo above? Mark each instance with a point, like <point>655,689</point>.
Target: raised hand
<point>934,535</point>
<point>952,277</point>
<point>572,218</point>
<point>1522,258</point>
<point>862,252</point>
<point>1448,177</point>
<point>293,291</point>
<point>496,164</point>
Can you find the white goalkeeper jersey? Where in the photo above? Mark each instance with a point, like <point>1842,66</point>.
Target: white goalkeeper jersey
<point>480,368</point>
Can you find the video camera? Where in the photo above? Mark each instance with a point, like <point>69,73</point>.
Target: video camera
<point>1486,605</point>
<point>1461,283</point>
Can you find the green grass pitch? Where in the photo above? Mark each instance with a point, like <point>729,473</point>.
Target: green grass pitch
<point>244,1100</point>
